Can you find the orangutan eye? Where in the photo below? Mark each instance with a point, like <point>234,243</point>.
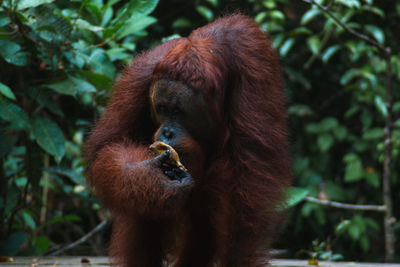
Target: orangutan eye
<point>161,110</point>
<point>176,111</point>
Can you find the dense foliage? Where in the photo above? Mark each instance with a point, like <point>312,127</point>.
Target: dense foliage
<point>58,60</point>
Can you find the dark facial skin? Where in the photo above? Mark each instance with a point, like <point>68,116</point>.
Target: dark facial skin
<point>181,114</point>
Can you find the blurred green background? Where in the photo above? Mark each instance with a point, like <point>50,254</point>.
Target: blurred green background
<point>58,61</point>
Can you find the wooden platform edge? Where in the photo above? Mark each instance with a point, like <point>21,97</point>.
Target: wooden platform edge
<point>82,261</point>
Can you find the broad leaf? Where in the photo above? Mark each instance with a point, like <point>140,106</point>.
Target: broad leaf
<point>309,15</point>
<point>287,45</point>
<point>135,25</point>
<point>313,44</point>
<point>350,3</point>
<point>373,134</point>
<point>294,195</point>
<point>22,4</point>
<point>13,243</point>
<point>329,52</point>
<point>205,12</point>
<point>380,104</point>
<point>7,141</point>
<point>83,24</point>
<point>65,87</point>
<point>4,19</point>
<point>42,242</point>
<point>11,53</point>
<point>49,137</point>
<point>354,170</point>
<point>29,220</point>
<point>325,141</point>
<point>14,114</point>
<point>376,32</point>
<point>73,175</point>
<point>134,9</point>
<point>82,85</point>
<point>6,91</point>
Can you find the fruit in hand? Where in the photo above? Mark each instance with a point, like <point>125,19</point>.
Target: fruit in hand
<point>160,147</point>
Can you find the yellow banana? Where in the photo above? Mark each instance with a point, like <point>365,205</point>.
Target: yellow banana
<point>160,147</point>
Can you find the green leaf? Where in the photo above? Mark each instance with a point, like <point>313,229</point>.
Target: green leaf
<point>376,32</point>
<point>29,220</point>
<point>269,4</point>
<point>372,177</point>
<point>46,99</point>
<point>7,141</point>
<point>100,63</point>
<point>277,15</point>
<point>375,10</point>
<point>118,53</point>
<point>213,2</point>
<point>364,242</point>
<point>329,124</point>
<point>136,25</point>
<point>49,137</point>
<point>300,30</point>
<point>182,23</point>
<point>73,175</point>
<point>350,3</point>
<point>83,24</point>
<point>340,132</point>
<point>373,134</point>
<point>205,12</point>
<point>329,52</point>
<point>309,15</point>
<point>107,15</point>
<point>287,45</point>
<point>13,192</point>
<point>342,226</point>
<point>82,85</point>
<point>6,91</point>
<point>14,114</point>
<point>300,110</point>
<point>135,9</point>
<point>42,242</point>
<point>4,19</point>
<point>294,195</point>
<point>22,4</point>
<point>349,75</point>
<point>144,7</point>
<point>381,106</point>
<point>325,141</point>
<point>260,17</point>
<point>334,191</point>
<point>65,87</point>
<point>354,231</point>
<point>11,53</point>
<point>313,128</point>
<point>13,243</point>
<point>98,80</point>
<point>354,170</point>
<point>313,44</point>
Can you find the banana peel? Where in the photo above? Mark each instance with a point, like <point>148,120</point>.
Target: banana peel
<point>160,147</point>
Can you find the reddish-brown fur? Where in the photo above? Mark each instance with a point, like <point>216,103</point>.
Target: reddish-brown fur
<point>229,213</point>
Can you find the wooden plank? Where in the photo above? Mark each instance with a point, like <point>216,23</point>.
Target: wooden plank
<point>302,263</point>
<point>70,261</point>
<point>74,261</point>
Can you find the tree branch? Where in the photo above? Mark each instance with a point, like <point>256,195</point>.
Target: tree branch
<point>390,238</point>
<point>347,28</point>
<point>340,205</point>
<point>81,240</point>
